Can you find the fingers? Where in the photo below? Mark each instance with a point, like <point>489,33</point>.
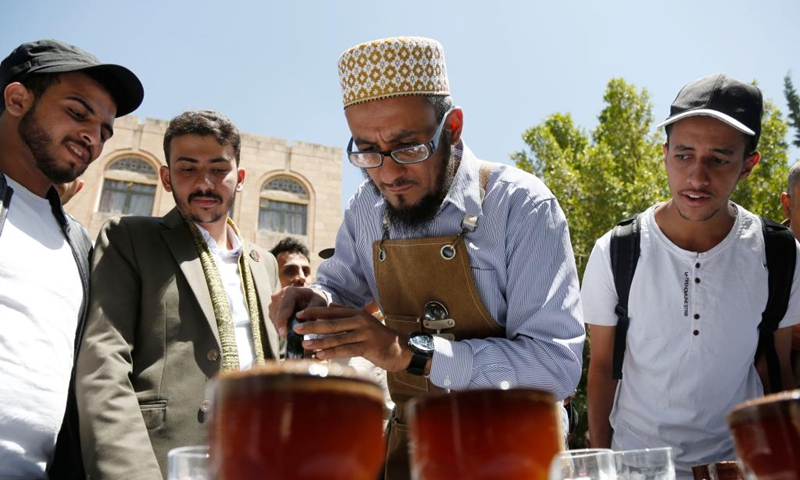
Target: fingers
<point>289,300</point>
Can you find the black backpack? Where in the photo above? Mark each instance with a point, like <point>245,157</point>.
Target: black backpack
<point>781,257</point>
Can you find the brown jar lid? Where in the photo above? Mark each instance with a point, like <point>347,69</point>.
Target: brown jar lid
<point>782,404</point>
<point>296,375</point>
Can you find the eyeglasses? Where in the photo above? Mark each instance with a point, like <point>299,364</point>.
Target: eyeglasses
<point>403,156</point>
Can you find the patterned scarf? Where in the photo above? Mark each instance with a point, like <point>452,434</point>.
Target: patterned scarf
<point>219,299</point>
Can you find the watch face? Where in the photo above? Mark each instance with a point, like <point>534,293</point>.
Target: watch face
<point>423,342</point>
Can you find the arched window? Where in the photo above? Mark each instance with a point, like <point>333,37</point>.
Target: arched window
<point>129,187</point>
<point>283,207</point>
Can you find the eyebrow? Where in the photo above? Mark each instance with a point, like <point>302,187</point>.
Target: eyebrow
<point>106,126</point>
<point>396,138</point>
<point>723,151</point>
<point>185,158</point>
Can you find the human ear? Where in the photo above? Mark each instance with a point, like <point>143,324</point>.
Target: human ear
<point>166,181</point>
<point>749,163</point>
<point>786,202</point>
<point>240,179</point>
<point>18,99</point>
<point>455,124</point>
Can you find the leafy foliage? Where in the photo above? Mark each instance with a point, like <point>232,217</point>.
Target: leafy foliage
<point>760,193</point>
<point>617,170</point>
<point>793,103</point>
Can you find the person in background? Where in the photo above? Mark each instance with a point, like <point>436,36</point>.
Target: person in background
<point>58,110</point>
<point>482,248</point>
<point>175,300</point>
<point>294,266</point>
<point>790,199</point>
<point>697,295</point>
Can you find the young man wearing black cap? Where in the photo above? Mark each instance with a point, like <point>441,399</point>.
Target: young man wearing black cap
<point>697,295</point>
<point>58,110</point>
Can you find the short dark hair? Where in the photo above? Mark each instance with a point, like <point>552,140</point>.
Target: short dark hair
<point>36,84</point>
<point>204,123</point>
<point>291,245</point>
<point>750,142</point>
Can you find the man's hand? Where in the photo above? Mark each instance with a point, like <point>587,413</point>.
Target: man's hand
<point>353,333</point>
<point>289,300</point>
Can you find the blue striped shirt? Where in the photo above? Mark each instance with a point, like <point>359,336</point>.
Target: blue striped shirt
<point>524,271</point>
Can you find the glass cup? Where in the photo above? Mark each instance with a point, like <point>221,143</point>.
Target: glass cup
<point>727,470</point>
<point>482,434</point>
<point>583,464</point>
<point>766,435</point>
<point>188,463</point>
<point>296,420</point>
<point>645,464</point>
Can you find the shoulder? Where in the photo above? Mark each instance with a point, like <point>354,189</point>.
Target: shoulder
<point>511,181</point>
<point>133,224</point>
<point>364,209</point>
<point>365,196</point>
<point>77,226</point>
<point>261,256</point>
<point>141,232</point>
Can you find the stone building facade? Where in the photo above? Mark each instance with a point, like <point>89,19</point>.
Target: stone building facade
<point>289,189</point>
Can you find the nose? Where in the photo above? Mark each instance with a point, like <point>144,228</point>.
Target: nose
<point>91,136</point>
<point>299,280</point>
<point>205,181</point>
<point>91,132</point>
<point>698,177</point>
<point>390,170</point>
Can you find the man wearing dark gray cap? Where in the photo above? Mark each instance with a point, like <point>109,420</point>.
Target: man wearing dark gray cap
<point>58,110</point>
<point>697,294</point>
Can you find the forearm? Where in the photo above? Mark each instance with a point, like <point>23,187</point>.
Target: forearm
<point>490,363</point>
<point>601,389</point>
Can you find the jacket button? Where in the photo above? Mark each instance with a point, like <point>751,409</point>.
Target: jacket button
<point>205,406</point>
<point>213,355</point>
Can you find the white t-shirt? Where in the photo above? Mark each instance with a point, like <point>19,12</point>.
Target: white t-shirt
<point>40,299</point>
<point>691,341</point>
<point>228,265</point>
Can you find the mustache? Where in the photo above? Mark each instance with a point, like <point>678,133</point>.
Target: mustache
<point>78,142</point>
<point>205,195</point>
<point>400,182</point>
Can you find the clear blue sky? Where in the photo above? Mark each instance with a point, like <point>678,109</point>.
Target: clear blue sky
<point>271,65</point>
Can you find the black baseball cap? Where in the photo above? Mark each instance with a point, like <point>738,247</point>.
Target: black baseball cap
<point>720,96</point>
<point>53,56</point>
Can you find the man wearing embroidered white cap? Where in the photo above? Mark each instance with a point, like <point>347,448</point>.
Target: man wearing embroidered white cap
<point>470,262</point>
<point>669,362</point>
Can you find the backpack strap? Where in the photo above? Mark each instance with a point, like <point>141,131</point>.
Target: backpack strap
<point>781,253</point>
<point>624,257</point>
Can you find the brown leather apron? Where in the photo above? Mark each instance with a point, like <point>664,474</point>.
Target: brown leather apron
<point>409,274</point>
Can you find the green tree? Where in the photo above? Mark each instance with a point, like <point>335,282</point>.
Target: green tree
<point>793,103</point>
<point>760,192</point>
<point>617,170</point>
<point>604,177</point>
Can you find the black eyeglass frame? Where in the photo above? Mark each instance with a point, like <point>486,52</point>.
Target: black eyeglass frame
<point>430,146</point>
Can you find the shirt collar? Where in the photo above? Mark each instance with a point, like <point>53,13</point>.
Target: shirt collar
<point>465,192</point>
<point>236,244</point>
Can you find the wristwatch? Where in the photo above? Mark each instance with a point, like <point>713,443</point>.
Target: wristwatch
<point>421,345</point>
